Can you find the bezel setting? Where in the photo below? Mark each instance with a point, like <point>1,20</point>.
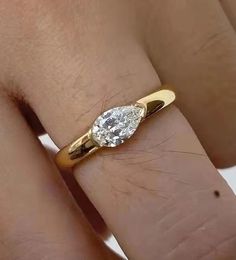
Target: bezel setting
<point>116,125</point>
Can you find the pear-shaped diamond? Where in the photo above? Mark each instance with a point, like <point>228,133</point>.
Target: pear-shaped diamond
<point>116,125</point>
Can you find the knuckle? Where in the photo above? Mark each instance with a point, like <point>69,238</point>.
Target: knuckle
<point>215,40</point>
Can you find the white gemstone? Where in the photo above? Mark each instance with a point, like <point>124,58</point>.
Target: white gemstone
<point>116,125</point>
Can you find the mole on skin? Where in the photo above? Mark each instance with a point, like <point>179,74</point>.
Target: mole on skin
<point>217,193</point>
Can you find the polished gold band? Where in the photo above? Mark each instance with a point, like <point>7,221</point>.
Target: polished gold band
<point>71,154</point>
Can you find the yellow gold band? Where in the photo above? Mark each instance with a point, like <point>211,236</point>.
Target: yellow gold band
<point>71,154</point>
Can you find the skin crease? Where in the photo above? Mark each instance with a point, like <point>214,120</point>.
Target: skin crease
<point>70,60</point>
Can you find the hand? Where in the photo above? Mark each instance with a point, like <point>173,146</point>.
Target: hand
<point>159,193</point>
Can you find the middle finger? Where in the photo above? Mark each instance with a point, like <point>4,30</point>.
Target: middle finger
<point>195,48</point>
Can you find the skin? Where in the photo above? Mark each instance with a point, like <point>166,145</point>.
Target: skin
<point>160,192</point>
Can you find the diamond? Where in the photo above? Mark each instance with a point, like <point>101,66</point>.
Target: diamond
<point>116,125</point>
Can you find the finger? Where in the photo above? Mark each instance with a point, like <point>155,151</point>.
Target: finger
<point>158,181</point>
<point>80,197</point>
<point>86,206</point>
<point>195,48</point>
<point>38,216</point>
<point>163,189</point>
<point>229,7</point>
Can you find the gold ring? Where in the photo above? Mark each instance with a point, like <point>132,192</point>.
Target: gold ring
<point>113,127</point>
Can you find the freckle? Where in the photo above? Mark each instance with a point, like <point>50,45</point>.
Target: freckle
<point>217,193</point>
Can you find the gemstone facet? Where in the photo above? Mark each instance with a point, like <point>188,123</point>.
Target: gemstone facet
<point>116,125</point>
